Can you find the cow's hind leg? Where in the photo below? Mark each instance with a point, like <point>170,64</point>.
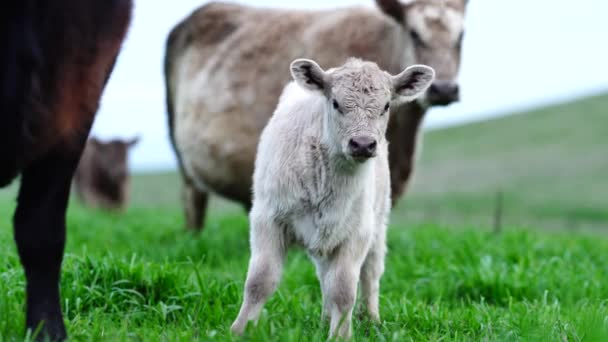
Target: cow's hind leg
<point>265,268</point>
<point>39,225</point>
<point>195,205</point>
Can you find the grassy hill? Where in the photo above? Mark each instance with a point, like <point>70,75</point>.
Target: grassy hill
<point>140,276</point>
<point>551,165</point>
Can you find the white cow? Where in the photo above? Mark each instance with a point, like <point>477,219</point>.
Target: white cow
<point>322,180</point>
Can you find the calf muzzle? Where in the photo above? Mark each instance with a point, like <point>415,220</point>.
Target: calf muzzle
<point>362,147</point>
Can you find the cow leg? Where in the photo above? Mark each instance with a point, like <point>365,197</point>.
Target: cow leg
<point>371,271</point>
<point>195,205</point>
<point>39,225</point>
<point>265,268</point>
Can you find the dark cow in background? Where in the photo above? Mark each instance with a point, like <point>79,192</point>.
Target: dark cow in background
<point>56,59</point>
<point>102,177</point>
<point>224,72</point>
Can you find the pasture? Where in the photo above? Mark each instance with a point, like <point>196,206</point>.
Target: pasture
<point>449,276</point>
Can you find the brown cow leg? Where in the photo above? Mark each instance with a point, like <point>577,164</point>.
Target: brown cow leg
<point>195,205</point>
<point>39,225</point>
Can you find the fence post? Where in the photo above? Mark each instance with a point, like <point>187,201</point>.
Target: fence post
<point>498,203</point>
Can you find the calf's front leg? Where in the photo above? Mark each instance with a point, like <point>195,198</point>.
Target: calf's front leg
<point>265,268</point>
<point>340,283</point>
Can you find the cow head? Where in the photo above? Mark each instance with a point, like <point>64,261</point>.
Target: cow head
<point>111,159</point>
<point>358,96</point>
<point>433,32</point>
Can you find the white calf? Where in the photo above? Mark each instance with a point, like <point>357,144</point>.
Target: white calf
<point>322,180</point>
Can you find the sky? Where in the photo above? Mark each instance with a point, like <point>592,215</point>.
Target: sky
<point>517,54</point>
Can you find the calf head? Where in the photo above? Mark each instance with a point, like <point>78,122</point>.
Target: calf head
<point>432,32</point>
<point>358,96</point>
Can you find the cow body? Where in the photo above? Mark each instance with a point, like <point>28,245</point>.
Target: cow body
<point>102,177</point>
<point>218,104</point>
<point>322,181</point>
<point>56,60</point>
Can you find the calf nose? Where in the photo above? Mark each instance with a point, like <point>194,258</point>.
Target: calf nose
<point>443,93</point>
<point>362,147</point>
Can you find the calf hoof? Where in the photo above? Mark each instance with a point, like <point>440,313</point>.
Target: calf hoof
<point>238,328</point>
<point>374,317</point>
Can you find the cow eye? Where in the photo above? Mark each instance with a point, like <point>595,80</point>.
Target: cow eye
<point>416,38</point>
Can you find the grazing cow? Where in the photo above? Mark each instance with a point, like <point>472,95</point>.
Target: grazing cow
<point>56,59</point>
<point>102,177</point>
<point>322,180</point>
<point>218,101</point>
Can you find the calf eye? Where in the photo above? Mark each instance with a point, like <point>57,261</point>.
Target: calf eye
<point>336,106</point>
<point>386,108</point>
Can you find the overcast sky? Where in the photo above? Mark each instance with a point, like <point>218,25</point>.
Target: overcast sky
<point>517,54</point>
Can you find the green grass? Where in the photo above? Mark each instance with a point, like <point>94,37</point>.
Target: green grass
<point>140,277</point>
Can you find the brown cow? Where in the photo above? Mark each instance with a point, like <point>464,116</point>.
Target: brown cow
<point>224,74</point>
<point>56,59</point>
<point>102,176</point>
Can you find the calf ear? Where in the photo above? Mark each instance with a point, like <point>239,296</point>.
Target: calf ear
<point>413,82</point>
<point>392,8</point>
<point>308,74</point>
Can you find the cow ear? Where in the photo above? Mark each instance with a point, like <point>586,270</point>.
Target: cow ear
<point>393,9</point>
<point>308,74</point>
<point>133,141</point>
<point>413,82</point>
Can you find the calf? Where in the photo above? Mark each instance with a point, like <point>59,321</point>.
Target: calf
<point>322,180</point>
<point>102,176</point>
<point>56,59</point>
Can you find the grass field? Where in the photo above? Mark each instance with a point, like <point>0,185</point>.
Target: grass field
<point>450,277</point>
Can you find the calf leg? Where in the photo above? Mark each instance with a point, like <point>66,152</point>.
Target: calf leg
<point>372,270</point>
<point>322,268</point>
<point>195,205</point>
<point>341,285</point>
<point>39,225</point>
<point>265,268</point>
